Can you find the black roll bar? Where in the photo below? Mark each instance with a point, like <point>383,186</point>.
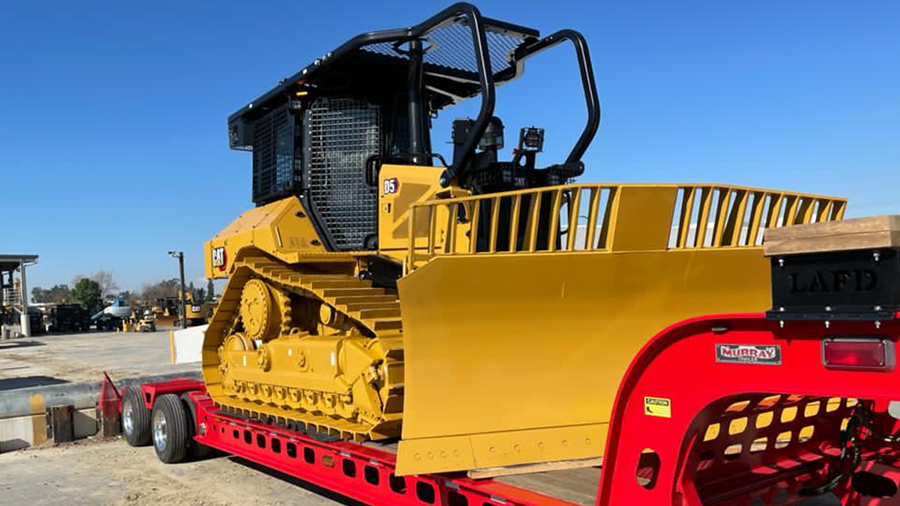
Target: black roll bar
<point>477,25</point>
<point>591,99</point>
<point>588,84</point>
<point>482,61</point>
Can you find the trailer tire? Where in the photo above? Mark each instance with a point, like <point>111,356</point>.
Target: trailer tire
<point>171,432</point>
<point>196,450</point>
<point>135,417</point>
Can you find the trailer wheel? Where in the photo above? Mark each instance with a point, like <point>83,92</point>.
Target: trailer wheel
<point>171,433</point>
<point>196,451</point>
<point>135,417</point>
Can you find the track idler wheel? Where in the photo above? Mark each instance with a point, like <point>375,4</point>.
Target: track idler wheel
<point>235,342</point>
<point>259,311</point>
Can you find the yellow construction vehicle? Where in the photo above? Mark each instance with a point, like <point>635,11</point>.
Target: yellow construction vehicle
<point>197,313</point>
<point>166,307</point>
<point>146,323</point>
<point>484,311</point>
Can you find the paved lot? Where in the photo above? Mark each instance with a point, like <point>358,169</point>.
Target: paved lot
<point>111,473</point>
<point>53,358</point>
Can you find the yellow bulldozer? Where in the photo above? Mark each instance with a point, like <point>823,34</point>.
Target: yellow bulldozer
<point>480,311</point>
<point>197,312</point>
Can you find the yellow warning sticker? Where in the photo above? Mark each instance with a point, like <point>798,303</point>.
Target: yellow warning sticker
<point>657,406</point>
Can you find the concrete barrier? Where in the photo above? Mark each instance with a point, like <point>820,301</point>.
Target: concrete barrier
<point>23,420</point>
<point>186,345</point>
<point>24,431</point>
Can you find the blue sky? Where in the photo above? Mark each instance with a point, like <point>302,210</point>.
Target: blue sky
<point>113,144</point>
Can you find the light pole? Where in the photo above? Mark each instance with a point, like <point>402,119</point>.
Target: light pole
<point>180,256</point>
<point>26,318</point>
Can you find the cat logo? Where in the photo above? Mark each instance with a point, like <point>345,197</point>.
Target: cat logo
<point>218,258</point>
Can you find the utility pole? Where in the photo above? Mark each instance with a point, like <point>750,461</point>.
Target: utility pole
<point>25,317</point>
<point>180,256</point>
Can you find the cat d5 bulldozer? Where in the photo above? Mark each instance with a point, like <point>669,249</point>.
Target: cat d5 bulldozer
<point>482,309</point>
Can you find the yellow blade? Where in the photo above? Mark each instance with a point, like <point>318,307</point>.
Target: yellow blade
<point>513,359</point>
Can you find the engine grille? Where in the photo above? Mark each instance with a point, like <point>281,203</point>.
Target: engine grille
<point>273,156</point>
<point>342,134</point>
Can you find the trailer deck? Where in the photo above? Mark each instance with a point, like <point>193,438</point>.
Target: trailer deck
<point>577,486</point>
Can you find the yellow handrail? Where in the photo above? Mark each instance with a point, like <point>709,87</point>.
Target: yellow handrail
<point>616,217</point>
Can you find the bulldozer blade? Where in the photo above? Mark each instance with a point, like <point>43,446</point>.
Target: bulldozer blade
<point>516,359</point>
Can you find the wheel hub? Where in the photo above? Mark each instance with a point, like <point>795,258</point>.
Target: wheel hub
<point>258,310</point>
<point>160,435</point>
<point>128,417</point>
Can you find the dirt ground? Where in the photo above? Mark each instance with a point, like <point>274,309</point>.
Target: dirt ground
<point>111,473</point>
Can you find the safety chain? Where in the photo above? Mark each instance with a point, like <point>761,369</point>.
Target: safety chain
<point>860,422</point>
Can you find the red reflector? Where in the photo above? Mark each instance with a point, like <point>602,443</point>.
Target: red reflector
<point>858,354</point>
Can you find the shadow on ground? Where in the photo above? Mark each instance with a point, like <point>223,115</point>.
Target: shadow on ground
<point>28,382</point>
<point>296,481</point>
<point>13,345</point>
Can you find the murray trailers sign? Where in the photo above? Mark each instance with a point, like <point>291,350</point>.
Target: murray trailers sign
<point>748,354</point>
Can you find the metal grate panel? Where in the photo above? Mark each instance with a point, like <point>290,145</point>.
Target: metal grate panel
<point>342,134</point>
<point>273,156</point>
<point>451,47</point>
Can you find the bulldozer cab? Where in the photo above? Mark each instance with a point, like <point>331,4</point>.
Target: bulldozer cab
<point>325,133</point>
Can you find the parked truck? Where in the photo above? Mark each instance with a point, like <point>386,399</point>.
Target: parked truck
<point>66,318</point>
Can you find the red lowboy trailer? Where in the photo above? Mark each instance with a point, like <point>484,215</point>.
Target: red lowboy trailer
<point>807,413</point>
<point>798,404</point>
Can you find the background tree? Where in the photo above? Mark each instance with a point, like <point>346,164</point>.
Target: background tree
<point>39,295</point>
<point>166,288</point>
<point>61,293</point>
<point>57,294</point>
<point>87,293</point>
<point>210,289</point>
<point>105,281</point>
<point>133,299</point>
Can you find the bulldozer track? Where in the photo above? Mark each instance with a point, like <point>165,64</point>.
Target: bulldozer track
<point>374,312</point>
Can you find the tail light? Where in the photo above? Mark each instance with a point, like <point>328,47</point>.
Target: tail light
<point>858,354</point>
